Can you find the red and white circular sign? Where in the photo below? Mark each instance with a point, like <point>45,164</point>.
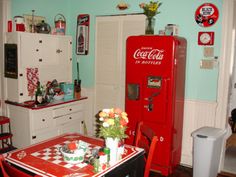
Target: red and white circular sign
<point>206,15</point>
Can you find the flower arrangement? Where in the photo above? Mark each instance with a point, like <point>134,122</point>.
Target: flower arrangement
<point>113,123</point>
<point>150,9</point>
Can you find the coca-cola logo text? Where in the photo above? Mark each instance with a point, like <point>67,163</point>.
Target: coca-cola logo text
<point>149,54</point>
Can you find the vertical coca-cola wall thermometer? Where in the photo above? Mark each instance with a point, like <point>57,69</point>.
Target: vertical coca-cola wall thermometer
<point>82,34</point>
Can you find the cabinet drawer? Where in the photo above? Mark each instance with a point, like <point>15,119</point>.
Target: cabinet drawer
<point>68,118</point>
<point>57,112</point>
<point>42,119</point>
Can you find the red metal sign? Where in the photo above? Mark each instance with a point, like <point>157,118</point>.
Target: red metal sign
<point>206,15</point>
<point>82,37</point>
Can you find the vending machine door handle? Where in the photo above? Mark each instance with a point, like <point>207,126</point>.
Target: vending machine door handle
<point>149,107</point>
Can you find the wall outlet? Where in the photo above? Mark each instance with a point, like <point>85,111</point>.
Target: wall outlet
<point>208,51</point>
<point>208,64</point>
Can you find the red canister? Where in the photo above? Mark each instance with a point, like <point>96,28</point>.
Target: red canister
<point>60,24</point>
<point>9,26</point>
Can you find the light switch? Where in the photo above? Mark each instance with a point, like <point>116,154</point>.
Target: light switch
<point>207,64</point>
<point>208,51</point>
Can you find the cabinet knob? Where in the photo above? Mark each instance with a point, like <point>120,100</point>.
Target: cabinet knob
<point>70,117</point>
<point>70,109</point>
<point>33,137</point>
<point>58,51</point>
<point>43,120</point>
<point>37,50</point>
<point>40,41</point>
<point>40,60</point>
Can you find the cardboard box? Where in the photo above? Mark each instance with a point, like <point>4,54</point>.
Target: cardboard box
<point>68,89</point>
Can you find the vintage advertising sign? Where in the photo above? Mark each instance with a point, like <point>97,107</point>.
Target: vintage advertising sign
<point>82,34</point>
<point>148,55</point>
<point>206,15</point>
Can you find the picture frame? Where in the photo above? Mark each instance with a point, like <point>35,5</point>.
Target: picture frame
<point>28,21</point>
<point>82,34</point>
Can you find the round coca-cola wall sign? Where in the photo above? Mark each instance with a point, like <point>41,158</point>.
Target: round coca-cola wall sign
<point>206,15</point>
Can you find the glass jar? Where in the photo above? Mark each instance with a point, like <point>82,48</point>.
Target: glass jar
<point>150,24</point>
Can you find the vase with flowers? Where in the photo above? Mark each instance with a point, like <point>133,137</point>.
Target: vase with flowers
<point>150,10</point>
<point>113,124</point>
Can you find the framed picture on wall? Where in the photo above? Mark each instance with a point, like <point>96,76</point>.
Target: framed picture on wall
<point>82,34</point>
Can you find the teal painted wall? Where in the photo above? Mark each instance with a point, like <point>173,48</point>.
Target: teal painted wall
<point>201,84</point>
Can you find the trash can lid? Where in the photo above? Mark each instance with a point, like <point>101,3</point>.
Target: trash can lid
<point>208,132</point>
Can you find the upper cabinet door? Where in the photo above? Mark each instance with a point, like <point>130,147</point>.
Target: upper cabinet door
<point>38,50</point>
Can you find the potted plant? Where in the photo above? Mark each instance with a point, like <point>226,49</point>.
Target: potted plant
<point>150,10</point>
<point>113,124</point>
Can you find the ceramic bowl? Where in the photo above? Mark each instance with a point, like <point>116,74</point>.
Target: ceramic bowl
<point>73,158</point>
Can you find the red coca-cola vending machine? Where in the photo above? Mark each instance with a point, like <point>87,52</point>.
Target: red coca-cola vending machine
<point>155,87</point>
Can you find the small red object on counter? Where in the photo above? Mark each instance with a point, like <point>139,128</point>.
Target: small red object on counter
<point>72,146</point>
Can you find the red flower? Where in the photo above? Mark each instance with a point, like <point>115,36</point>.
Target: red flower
<point>112,115</point>
<point>117,111</point>
<point>123,122</point>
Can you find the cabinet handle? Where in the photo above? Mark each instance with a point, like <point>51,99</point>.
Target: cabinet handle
<point>40,60</point>
<point>33,137</point>
<point>43,120</point>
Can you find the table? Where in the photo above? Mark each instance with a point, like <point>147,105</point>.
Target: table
<point>44,159</point>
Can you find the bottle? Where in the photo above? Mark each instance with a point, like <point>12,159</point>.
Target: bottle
<point>38,94</point>
<point>106,150</point>
<point>81,47</point>
<point>77,89</point>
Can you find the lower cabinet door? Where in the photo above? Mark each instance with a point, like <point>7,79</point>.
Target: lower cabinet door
<point>41,136</point>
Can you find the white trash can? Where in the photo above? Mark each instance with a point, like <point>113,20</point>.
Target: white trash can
<point>207,145</point>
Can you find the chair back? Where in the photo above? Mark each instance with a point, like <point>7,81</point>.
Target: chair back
<point>146,139</point>
<point>9,170</point>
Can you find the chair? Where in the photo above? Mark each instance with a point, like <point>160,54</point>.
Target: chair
<point>146,139</point>
<point>9,170</point>
<point>5,134</point>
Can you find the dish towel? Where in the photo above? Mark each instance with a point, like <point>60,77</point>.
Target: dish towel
<point>32,80</point>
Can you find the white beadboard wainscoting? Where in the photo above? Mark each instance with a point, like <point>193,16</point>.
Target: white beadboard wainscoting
<point>89,116</point>
<point>196,114</point>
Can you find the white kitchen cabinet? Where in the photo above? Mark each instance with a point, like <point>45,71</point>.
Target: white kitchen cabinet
<point>50,54</point>
<point>32,125</point>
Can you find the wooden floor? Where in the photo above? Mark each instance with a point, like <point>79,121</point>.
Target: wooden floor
<point>187,172</point>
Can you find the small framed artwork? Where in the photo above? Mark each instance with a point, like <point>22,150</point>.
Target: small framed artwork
<point>82,34</point>
<point>28,21</point>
